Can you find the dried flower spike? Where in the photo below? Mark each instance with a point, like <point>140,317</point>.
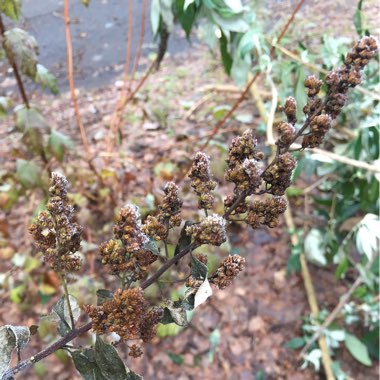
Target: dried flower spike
<point>201,181</point>
<point>55,231</point>
<point>227,271</point>
<point>212,230</point>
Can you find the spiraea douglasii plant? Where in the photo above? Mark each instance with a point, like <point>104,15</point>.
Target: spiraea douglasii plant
<point>257,200</point>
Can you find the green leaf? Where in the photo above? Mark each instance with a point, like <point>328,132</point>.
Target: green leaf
<point>46,79</point>
<point>152,247</point>
<point>155,16</point>
<point>11,9</point>
<point>357,349</point>
<point>184,239</point>
<point>198,269</point>
<point>186,14</point>
<point>295,343</point>
<point>58,144</point>
<point>109,362</point>
<point>11,337</point>
<point>226,56</point>
<point>28,173</point>
<point>342,268</point>
<point>86,3</point>
<point>85,363</point>
<point>358,21</point>
<point>176,359</point>
<point>214,339</point>
<point>314,247</point>
<point>21,48</point>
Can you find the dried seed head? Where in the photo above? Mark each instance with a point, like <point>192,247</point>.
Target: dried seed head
<point>227,271</point>
<point>201,181</point>
<point>170,208</point>
<point>128,229</point>
<point>278,176</point>
<point>55,232</point>
<point>212,230</point>
<point>266,212</point>
<point>290,109</point>
<point>286,133</point>
<point>128,314</point>
<point>313,85</point>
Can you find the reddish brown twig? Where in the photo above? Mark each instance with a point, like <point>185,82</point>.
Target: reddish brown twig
<point>139,46</point>
<point>16,72</point>
<point>252,81</point>
<point>70,75</point>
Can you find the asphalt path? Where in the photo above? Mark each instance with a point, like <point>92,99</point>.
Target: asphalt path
<point>99,35</point>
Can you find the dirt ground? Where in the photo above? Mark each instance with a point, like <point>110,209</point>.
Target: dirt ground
<point>256,315</point>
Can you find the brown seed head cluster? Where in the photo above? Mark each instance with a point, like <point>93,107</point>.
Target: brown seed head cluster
<point>168,217</point>
<point>201,182</point>
<point>227,271</point>
<point>127,252</point>
<point>128,314</point>
<point>135,351</point>
<point>266,212</point>
<point>278,176</point>
<point>211,230</point>
<point>243,166</point>
<point>338,83</point>
<point>55,231</point>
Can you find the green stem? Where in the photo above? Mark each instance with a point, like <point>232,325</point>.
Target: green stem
<point>67,296</point>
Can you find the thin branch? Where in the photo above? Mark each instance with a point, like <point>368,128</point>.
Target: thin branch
<point>70,74</point>
<point>16,72</point>
<point>23,365</point>
<point>67,296</point>
<point>252,81</point>
<point>345,160</point>
<point>141,41</point>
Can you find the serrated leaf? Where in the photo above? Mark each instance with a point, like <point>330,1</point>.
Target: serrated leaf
<point>46,79</point>
<point>357,349</point>
<point>198,269</point>
<point>58,144</point>
<point>203,292</point>
<point>22,48</point>
<point>11,337</point>
<point>108,360</point>
<point>184,239</point>
<point>11,9</point>
<point>28,173</point>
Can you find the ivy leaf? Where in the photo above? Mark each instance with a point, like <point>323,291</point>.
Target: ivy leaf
<point>22,48</point>
<point>28,173</point>
<point>46,79</point>
<point>110,364</point>
<point>198,269</point>
<point>11,337</point>
<point>357,349</point>
<point>58,144</point>
<point>11,9</point>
